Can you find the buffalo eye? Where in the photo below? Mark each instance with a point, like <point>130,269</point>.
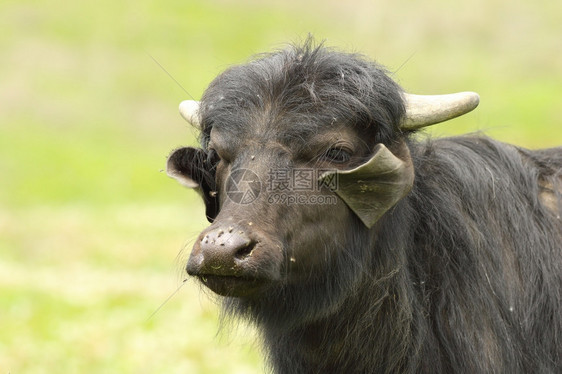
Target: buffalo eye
<point>212,156</point>
<point>217,157</point>
<point>337,155</point>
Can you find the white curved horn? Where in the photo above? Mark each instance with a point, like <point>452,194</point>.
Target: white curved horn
<point>189,110</point>
<point>426,110</point>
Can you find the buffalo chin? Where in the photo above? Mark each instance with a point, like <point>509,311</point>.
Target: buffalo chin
<point>233,286</point>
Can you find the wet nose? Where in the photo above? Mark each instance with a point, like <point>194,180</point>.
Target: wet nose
<point>220,251</point>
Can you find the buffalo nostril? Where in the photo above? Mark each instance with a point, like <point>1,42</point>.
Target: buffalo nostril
<point>245,251</point>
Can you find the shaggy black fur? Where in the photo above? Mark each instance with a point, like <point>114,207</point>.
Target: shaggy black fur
<point>464,275</point>
<point>296,92</point>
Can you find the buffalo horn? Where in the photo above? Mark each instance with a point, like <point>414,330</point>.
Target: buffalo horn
<point>189,110</point>
<point>426,110</point>
<point>421,110</point>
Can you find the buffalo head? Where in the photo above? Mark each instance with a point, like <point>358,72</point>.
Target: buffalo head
<point>299,149</point>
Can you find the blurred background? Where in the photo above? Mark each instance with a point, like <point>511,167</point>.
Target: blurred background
<point>92,231</point>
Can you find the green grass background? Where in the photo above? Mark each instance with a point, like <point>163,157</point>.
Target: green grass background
<point>92,232</point>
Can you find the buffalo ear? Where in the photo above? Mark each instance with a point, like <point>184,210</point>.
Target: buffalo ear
<point>377,185</point>
<point>195,168</point>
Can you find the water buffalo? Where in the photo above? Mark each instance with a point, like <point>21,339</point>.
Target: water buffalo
<point>356,247</point>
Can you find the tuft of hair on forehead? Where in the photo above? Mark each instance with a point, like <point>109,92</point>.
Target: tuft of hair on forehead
<point>299,90</point>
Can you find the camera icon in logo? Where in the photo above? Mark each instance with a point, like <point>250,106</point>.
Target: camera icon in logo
<point>243,186</point>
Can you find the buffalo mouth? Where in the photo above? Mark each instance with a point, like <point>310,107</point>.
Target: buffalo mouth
<point>231,261</point>
<point>234,286</point>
